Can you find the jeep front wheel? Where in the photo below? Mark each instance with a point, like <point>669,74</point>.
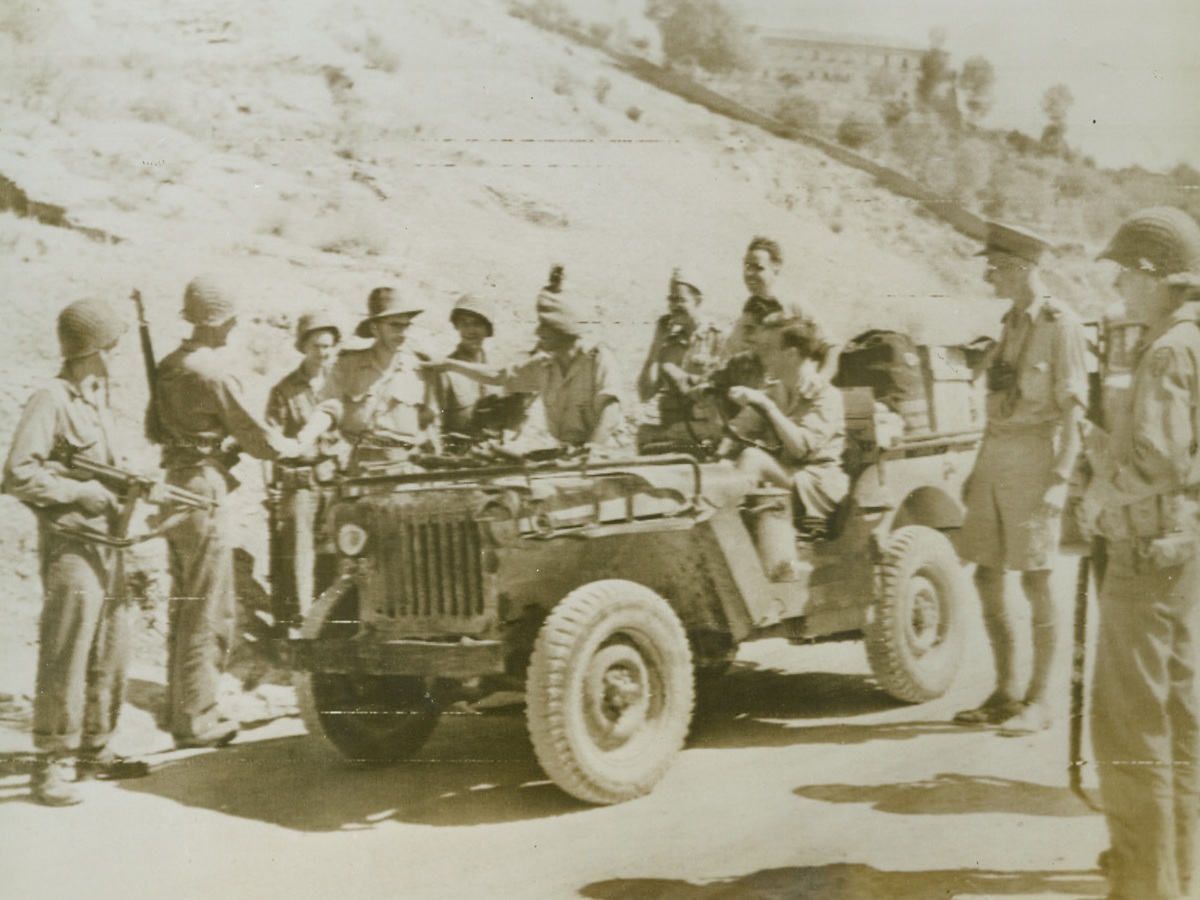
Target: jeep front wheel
<point>368,718</point>
<point>916,634</point>
<point>609,693</point>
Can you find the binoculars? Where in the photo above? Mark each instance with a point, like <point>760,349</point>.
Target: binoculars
<point>1001,377</point>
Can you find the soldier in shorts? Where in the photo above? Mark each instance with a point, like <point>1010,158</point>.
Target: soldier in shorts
<point>1037,394</point>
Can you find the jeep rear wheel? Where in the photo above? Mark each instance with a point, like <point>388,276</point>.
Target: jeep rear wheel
<point>916,636</point>
<point>369,718</point>
<point>609,692</point>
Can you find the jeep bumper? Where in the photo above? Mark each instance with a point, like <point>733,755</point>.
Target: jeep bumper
<point>431,659</point>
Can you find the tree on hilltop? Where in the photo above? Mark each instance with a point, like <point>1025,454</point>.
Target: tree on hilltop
<point>700,32</point>
<point>976,82</point>
<point>1056,104</point>
<point>936,83</point>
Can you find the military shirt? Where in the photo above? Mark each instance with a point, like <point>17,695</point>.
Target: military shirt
<point>698,353</point>
<point>820,414</point>
<point>201,403</point>
<point>458,394</point>
<point>1045,343</point>
<point>1155,453</point>
<point>741,336</point>
<point>292,401</point>
<point>59,411</point>
<point>575,396</point>
<point>364,397</point>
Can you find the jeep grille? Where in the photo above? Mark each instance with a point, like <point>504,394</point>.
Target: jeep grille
<point>425,568</point>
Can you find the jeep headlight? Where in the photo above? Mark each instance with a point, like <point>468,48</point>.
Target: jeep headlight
<point>351,539</point>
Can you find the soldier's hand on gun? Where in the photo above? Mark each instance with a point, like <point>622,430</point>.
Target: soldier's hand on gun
<point>95,499</point>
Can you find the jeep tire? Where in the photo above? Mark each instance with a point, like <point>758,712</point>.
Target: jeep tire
<point>609,691</point>
<point>368,718</point>
<point>916,634</point>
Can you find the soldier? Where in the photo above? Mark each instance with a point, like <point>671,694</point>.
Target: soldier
<point>760,271</point>
<point>200,410</point>
<point>379,398</point>
<point>473,318</point>
<point>293,399</point>
<point>800,412</point>
<point>301,501</point>
<point>83,638</point>
<point>1037,392</point>
<point>1144,499</point>
<point>684,351</point>
<point>576,381</point>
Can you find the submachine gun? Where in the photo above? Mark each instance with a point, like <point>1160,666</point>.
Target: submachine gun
<point>129,488</point>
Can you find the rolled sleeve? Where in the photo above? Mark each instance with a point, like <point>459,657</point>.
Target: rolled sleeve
<point>1070,359</point>
<point>27,473</point>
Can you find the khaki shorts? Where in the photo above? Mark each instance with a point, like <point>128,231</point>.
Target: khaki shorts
<point>1005,527</point>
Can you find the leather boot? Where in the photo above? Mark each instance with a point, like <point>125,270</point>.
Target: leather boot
<point>52,783</point>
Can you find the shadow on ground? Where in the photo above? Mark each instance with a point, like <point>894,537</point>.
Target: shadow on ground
<point>853,881</point>
<point>479,771</point>
<point>754,707</point>
<point>954,793</point>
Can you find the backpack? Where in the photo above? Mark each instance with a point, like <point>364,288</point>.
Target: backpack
<point>889,364</point>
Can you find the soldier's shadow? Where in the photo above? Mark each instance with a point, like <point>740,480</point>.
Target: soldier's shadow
<point>853,881</point>
<point>472,772</point>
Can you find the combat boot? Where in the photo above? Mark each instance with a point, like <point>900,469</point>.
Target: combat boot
<point>52,783</point>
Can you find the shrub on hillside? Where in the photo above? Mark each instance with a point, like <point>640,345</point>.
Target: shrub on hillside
<point>704,33</point>
<point>857,131</point>
<point>798,111</point>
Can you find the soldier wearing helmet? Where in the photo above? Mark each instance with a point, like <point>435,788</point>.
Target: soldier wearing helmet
<point>297,573</point>
<point>378,397</point>
<point>1037,393</point>
<point>203,422</point>
<point>1144,500</point>
<point>83,646</point>
<point>474,319</point>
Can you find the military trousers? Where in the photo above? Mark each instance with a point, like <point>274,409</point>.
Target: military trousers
<point>1146,724</point>
<point>299,570</point>
<point>203,606</point>
<point>83,650</point>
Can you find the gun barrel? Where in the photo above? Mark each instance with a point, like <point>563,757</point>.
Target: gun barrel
<point>121,480</point>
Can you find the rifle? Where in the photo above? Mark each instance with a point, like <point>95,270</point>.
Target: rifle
<point>1089,563</point>
<point>154,432</point>
<point>130,488</point>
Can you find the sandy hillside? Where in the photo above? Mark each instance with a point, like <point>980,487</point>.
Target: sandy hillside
<point>315,150</point>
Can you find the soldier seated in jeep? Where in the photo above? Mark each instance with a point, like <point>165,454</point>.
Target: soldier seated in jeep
<point>796,425</point>
<point>576,381</point>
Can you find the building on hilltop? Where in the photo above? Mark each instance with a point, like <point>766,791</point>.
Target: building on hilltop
<point>854,60</point>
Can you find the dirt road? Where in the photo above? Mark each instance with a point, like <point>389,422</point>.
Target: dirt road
<point>801,780</point>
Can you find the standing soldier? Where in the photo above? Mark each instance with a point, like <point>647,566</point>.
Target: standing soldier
<point>201,409</point>
<point>84,632</point>
<point>1144,499</point>
<point>301,502</point>
<point>473,318</point>
<point>379,398</point>
<point>576,381</point>
<point>1037,393</point>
